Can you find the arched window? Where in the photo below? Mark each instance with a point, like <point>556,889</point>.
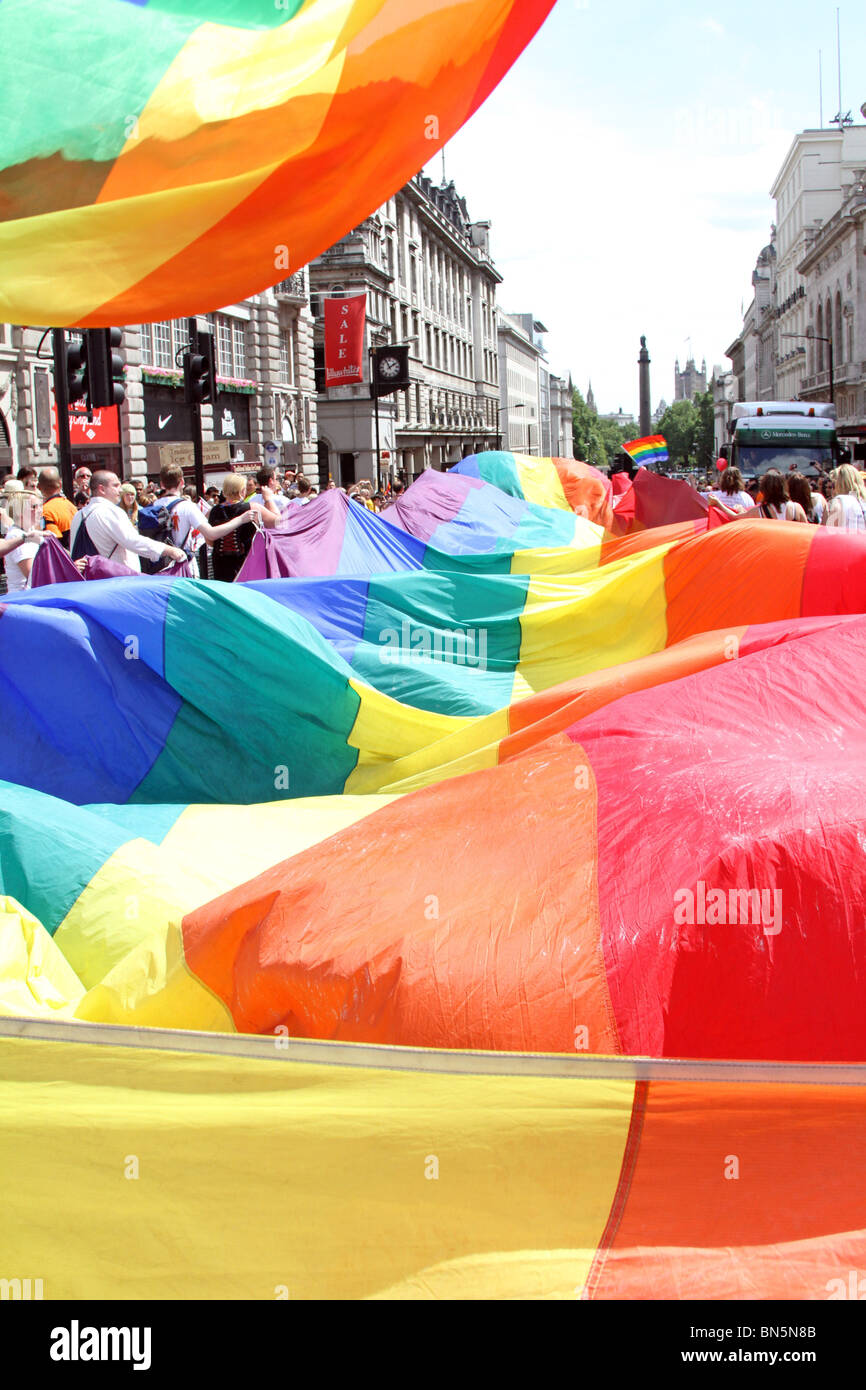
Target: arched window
<point>828,331</point>
<point>819,346</point>
<point>838,337</point>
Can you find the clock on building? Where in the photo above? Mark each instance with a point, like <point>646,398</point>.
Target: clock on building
<point>390,368</point>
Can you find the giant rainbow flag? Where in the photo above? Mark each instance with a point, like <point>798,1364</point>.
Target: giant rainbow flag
<point>520,902</point>
<point>163,155</point>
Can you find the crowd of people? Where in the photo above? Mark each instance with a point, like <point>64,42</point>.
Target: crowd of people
<point>151,525</point>
<point>838,500</point>
<point>148,526</point>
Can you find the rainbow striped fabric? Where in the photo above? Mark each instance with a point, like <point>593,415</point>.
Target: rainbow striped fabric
<point>653,448</point>
<point>193,152</point>
<point>446,521</point>
<point>429,863</point>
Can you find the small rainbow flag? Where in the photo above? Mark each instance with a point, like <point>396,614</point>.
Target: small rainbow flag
<point>652,449</point>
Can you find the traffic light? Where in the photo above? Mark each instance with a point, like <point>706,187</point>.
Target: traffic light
<point>103,367</point>
<point>76,371</point>
<point>199,370</point>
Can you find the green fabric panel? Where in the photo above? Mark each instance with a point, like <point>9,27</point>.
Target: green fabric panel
<point>78,88</point>
<point>267,703</point>
<point>446,643</point>
<point>141,822</point>
<point>50,850</point>
<point>243,14</point>
<point>543,528</point>
<point>489,562</point>
<point>501,471</point>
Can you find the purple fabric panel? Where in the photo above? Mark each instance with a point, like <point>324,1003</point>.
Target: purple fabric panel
<point>307,543</point>
<point>96,567</point>
<point>51,564</point>
<point>432,500</point>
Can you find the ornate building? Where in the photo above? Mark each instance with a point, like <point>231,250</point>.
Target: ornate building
<point>430,282</point>
<point>809,190</point>
<point>835,292</point>
<point>689,382</point>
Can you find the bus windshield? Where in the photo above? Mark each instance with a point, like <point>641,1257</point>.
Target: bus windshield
<point>753,460</point>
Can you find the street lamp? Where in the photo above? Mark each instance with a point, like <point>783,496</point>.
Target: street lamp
<point>519,406</point>
<point>816,337</point>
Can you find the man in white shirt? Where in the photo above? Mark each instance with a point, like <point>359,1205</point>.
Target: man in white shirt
<point>110,530</point>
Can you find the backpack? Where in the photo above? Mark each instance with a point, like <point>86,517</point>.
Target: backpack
<point>154,522</point>
<point>84,546</point>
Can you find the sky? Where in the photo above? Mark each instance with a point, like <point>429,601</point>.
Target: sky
<point>625,164</point>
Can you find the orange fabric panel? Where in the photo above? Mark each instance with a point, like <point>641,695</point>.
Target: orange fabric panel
<point>584,487</point>
<point>363,939</point>
<point>618,547</point>
<point>787,1219</point>
<point>551,711</point>
<point>288,208</point>
<point>714,579</point>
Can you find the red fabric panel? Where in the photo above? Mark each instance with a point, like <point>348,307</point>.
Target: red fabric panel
<point>737,779</point>
<point>835,578</point>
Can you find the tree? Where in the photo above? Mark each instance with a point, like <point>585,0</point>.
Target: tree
<point>680,426</point>
<point>614,436</point>
<point>588,442</point>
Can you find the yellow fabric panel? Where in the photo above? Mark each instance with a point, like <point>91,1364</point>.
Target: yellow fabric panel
<point>584,553</point>
<point>540,482</point>
<point>123,936</point>
<point>223,73</point>
<point>571,627</point>
<point>142,232</point>
<point>35,977</point>
<point>259,1177</point>
<point>236,847</point>
<point>402,748</point>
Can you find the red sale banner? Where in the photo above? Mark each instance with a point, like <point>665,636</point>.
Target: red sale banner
<point>344,339</point>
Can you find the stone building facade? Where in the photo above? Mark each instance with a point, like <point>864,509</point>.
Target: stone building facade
<point>835,293</point>
<point>809,190</point>
<point>265,372</point>
<point>561,418</point>
<point>429,281</point>
<point>521,365</point>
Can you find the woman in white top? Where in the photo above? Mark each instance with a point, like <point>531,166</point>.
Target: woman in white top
<point>776,505</point>
<point>731,494</point>
<point>17,548</point>
<point>848,507</point>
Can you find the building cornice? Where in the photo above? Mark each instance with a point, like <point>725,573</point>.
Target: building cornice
<point>839,225</point>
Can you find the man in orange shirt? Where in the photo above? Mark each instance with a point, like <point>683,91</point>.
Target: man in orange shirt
<point>57,510</point>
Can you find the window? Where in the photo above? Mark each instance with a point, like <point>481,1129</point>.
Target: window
<point>230,346</point>
<point>163,354</point>
<point>224,347</point>
<point>240,346</point>
<point>286,370</point>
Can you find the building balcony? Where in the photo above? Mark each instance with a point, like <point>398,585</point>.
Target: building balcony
<point>847,373</point>
<point>294,288</point>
